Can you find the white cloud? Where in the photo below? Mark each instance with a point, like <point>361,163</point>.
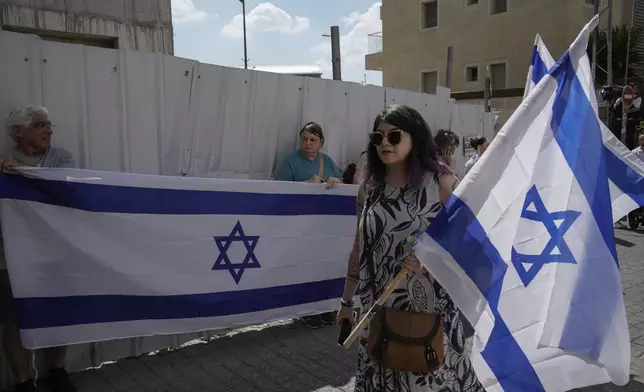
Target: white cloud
<point>353,45</point>
<point>266,17</point>
<point>184,11</point>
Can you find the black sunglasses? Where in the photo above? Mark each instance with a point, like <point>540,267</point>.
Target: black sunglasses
<point>393,137</point>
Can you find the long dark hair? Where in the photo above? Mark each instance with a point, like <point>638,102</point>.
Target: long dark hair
<point>446,139</point>
<point>421,159</point>
<point>477,141</point>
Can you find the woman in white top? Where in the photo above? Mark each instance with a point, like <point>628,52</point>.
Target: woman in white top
<point>361,166</point>
<point>479,144</point>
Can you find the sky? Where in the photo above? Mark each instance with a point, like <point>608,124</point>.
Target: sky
<point>280,32</point>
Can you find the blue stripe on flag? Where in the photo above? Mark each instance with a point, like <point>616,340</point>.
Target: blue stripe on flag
<point>49,312</point>
<point>624,177</point>
<point>539,69</point>
<point>457,230</point>
<point>132,200</point>
<point>577,131</point>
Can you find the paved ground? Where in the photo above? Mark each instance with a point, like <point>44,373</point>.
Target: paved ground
<point>287,357</point>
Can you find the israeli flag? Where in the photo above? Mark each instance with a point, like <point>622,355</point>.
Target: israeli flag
<point>526,248</point>
<point>96,256</point>
<point>625,169</point>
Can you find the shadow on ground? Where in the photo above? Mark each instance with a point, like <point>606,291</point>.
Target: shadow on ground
<point>624,243</point>
<point>284,358</point>
<point>632,386</point>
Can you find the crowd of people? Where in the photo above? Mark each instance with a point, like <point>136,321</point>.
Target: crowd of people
<point>403,164</point>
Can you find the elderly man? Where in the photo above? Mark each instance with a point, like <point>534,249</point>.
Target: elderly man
<point>30,129</point>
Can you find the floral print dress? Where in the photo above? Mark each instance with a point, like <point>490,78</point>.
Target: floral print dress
<point>390,216</point>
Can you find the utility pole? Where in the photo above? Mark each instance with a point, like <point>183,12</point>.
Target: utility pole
<point>628,53</point>
<point>448,73</point>
<point>336,60</point>
<point>609,61</point>
<point>595,39</point>
<point>487,91</point>
<point>609,36</point>
<point>628,42</point>
<point>245,43</point>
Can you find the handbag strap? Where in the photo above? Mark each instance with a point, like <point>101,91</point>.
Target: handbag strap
<point>367,252</point>
<point>392,335</point>
<point>321,169</point>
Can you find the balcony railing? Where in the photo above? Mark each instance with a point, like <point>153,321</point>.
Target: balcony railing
<point>374,43</point>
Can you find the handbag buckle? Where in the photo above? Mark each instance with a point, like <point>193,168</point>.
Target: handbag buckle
<point>431,357</point>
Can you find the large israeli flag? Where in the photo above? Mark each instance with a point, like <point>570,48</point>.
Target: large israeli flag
<point>526,248</point>
<point>96,255</point>
<point>625,169</point>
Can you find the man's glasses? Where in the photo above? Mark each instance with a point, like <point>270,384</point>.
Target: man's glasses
<point>40,125</point>
<point>393,137</point>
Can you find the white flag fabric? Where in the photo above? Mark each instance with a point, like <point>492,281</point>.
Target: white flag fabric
<point>526,247</point>
<point>625,169</point>
<point>96,255</point>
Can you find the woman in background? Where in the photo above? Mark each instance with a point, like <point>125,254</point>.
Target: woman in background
<point>446,143</point>
<point>308,164</point>
<point>361,167</point>
<point>479,144</point>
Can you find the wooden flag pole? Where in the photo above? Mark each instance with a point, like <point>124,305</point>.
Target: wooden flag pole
<point>381,301</point>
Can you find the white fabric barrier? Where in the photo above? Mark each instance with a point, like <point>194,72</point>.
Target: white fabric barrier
<point>96,256</point>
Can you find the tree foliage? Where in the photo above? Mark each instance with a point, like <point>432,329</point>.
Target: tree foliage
<point>620,43</point>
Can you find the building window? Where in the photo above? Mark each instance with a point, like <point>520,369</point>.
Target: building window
<point>472,73</point>
<point>429,14</point>
<point>498,76</point>
<point>472,2</point>
<point>68,38</point>
<point>429,82</point>
<point>499,6</point>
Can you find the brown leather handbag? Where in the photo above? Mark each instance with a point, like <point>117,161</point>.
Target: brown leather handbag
<point>406,341</point>
<point>401,340</point>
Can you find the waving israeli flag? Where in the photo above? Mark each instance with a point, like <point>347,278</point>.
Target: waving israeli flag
<point>526,249</point>
<point>625,169</point>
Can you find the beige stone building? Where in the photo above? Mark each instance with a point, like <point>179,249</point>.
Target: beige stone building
<point>494,35</point>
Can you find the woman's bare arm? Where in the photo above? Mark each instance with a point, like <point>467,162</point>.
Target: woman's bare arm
<point>445,187</point>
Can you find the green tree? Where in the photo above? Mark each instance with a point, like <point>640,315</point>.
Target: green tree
<point>620,42</point>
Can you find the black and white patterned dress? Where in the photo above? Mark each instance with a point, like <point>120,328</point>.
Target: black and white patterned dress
<point>393,215</point>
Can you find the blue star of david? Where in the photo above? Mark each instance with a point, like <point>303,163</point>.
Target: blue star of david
<point>556,231</point>
<point>223,261</point>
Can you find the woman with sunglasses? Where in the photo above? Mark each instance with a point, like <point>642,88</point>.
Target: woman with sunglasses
<point>404,186</point>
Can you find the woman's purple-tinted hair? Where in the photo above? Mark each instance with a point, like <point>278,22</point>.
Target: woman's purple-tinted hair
<point>422,158</point>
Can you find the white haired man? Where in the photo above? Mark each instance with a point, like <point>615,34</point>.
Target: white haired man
<point>30,129</point>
